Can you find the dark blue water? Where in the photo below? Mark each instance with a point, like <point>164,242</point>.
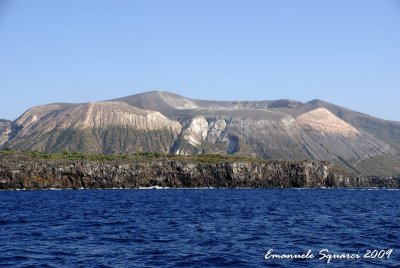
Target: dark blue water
<point>197,228</point>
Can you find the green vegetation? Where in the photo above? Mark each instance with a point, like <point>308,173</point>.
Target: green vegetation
<point>6,151</point>
<point>66,155</point>
<point>219,158</point>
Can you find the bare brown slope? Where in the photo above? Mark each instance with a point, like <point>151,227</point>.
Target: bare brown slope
<point>384,164</point>
<point>5,129</point>
<point>106,127</point>
<point>388,131</point>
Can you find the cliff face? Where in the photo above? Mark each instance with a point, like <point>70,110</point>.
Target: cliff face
<point>19,171</point>
<point>165,122</point>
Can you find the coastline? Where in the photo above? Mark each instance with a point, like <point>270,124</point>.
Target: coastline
<point>199,189</point>
<point>24,171</point>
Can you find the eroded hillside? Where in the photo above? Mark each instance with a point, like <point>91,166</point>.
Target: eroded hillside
<point>166,122</point>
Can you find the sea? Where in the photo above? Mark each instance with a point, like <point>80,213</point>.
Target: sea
<point>200,228</point>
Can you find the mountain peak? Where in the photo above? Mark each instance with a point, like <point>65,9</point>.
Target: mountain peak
<point>161,101</point>
<point>322,120</point>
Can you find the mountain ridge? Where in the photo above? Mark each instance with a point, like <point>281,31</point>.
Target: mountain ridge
<point>167,122</point>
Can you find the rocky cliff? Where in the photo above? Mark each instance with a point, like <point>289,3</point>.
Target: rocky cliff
<point>166,122</point>
<point>19,171</point>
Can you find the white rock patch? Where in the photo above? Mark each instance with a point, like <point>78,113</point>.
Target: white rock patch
<point>197,131</point>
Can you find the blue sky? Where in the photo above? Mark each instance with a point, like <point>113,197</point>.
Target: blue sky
<point>345,52</point>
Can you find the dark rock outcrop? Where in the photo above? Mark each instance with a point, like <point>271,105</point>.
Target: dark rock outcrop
<point>24,172</point>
